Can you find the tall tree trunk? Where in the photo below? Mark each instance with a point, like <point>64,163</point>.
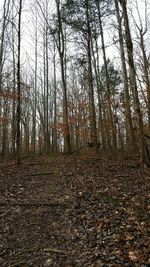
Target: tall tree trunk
<point>146,73</point>
<point>44,93</point>
<point>99,91</point>
<point>113,133</point>
<point>55,105</point>
<point>35,86</point>
<point>19,85</point>
<point>133,81</point>
<point>130,136</point>
<point>47,96</point>
<point>14,88</point>
<point>6,7</point>
<point>92,114</point>
<point>60,46</point>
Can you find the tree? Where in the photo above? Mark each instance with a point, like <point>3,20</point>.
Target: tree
<point>60,42</point>
<point>129,131</point>
<point>132,72</point>
<point>141,32</point>
<point>78,16</point>
<point>19,83</point>
<point>110,114</point>
<point>6,9</point>
<point>54,135</point>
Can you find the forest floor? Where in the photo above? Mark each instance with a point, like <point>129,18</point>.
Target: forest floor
<point>74,210</point>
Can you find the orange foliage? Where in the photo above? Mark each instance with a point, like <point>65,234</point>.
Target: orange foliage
<point>4,120</point>
<point>11,95</point>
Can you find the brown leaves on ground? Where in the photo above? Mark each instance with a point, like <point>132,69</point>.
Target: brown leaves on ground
<point>85,210</point>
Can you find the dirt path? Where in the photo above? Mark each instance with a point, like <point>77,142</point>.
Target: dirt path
<point>30,211</point>
<point>72,210</point>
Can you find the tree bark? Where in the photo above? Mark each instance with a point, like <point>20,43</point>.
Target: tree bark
<point>54,140</point>
<point>19,85</point>
<point>113,133</point>
<point>146,73</point>
<point>92,114</point>
<point>60,46</point>
<point>130,136</point>
<point>133,81</point>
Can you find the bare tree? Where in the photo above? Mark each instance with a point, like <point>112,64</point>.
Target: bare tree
<point>129,45</point>
<point>110,114</point>
<point>19,83</point>
<point>130,136</point>
<point>61,46</point>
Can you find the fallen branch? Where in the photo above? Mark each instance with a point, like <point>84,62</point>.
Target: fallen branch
<point>54,251</point>
<point>40,174</point>
<point>50,250</point>
<point>19,263</point>
<point>37,163</point>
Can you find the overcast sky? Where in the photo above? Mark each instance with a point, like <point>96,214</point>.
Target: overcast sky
<point>28,31</point>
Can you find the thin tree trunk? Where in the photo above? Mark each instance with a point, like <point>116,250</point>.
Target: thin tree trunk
<point>99,89</point>
<point>47,96</point>
<point>35,88</point>
<point>5,130</point>
<point>146,74</point>
<point>6,7</point>
<point>60,46</point>
<point>55,105</point>
<point>19,85</point>
<point>44,95</point>
<point>113,133</point>
<point>92,114</point>
<point>14,89</point>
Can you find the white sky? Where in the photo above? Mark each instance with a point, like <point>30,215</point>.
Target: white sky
<point>28,31</point>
